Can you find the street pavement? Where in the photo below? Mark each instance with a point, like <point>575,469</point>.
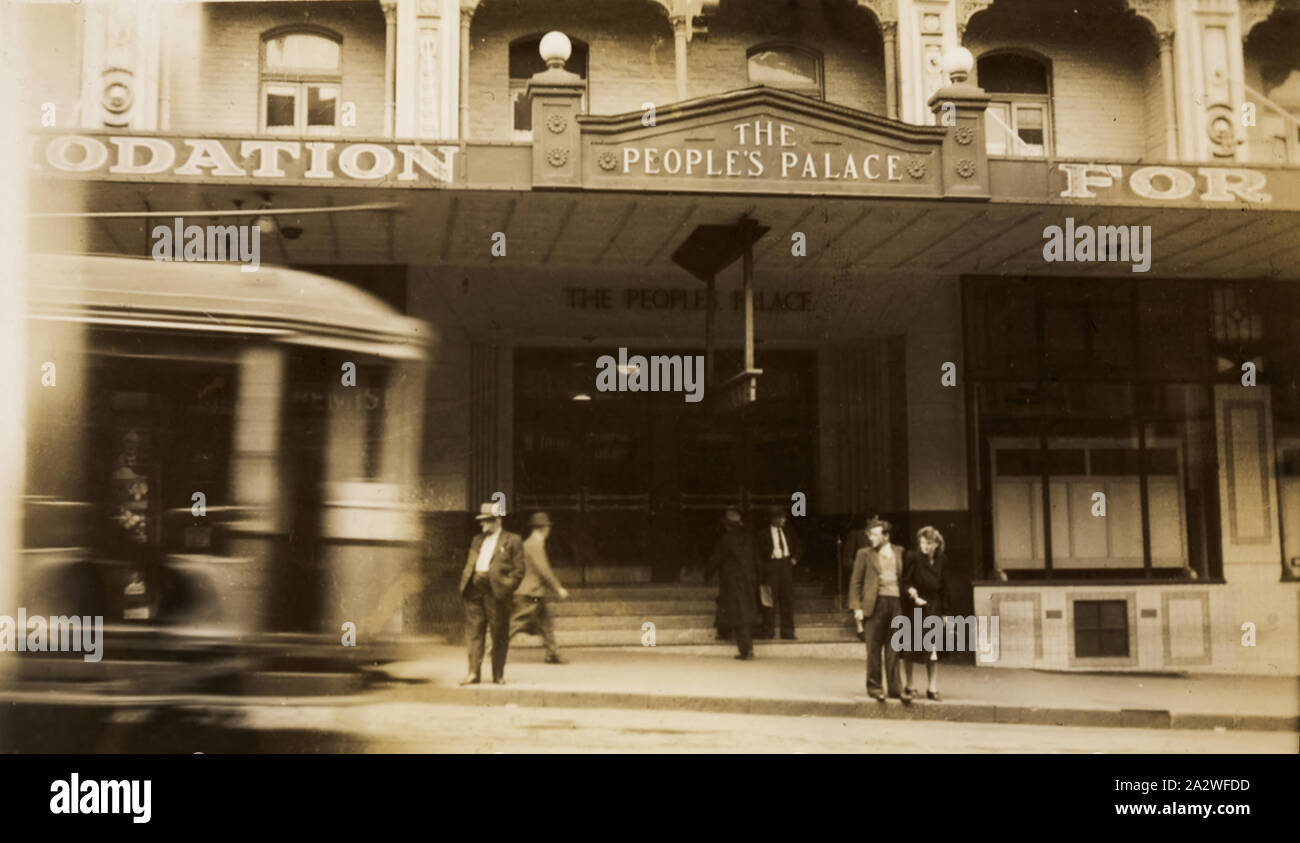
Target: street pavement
<point>659,679</point>
<point>431,728</point>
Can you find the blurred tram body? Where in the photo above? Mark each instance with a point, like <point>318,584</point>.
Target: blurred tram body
<point>217,456</point>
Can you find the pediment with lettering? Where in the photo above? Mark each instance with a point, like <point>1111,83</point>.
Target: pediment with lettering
<point>763,140</point>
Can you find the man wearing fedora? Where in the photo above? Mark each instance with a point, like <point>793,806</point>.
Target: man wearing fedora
<point>492,574</point>
<point>738,581</point>
<point>532,615</point>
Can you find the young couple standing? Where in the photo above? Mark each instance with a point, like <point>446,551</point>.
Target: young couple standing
<point>883,576</point>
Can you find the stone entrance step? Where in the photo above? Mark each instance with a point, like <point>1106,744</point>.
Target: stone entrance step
<point>683,615</point>
<point>584,594</point>
<point>650,608</point>
<point>633,635</point>
<point>605,574</point>
<point>700,620</point>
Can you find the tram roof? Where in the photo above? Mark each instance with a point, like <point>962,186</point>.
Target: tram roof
<point>284,305</point>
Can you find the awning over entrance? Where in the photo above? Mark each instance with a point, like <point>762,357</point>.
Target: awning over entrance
<point>863,256</point>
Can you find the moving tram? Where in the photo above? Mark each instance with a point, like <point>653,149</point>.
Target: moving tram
<point>219,456</point>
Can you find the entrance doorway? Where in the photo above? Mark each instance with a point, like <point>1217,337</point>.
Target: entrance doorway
<point>643,478</point>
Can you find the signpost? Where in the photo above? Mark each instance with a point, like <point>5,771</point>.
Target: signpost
<point>707,251</point>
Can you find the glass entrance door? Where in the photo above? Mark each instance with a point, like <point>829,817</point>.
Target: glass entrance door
<point>643,478</point>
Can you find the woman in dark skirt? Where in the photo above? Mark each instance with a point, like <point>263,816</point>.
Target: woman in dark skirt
<point>923,581</point>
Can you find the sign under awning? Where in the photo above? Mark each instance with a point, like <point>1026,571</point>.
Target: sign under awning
<point>712,248</point>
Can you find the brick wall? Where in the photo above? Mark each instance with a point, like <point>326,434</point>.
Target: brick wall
<point>215,80</point>
<point>1099,76</point>
<point>1153,85</point>
<point>631,53</point>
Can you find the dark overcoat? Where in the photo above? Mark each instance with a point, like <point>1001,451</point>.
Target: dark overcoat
<point>927,578</point>
<point>736,565</point>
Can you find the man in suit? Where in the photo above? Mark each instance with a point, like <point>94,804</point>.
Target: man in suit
<point>532,615</point>
<point>778,548</point>
<point>874,596</point>
<point>856,540</point>
<point>493,570</point>
<point>735,561</point>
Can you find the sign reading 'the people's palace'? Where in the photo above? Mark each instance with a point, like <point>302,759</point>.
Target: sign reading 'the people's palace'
<point>762,141</point>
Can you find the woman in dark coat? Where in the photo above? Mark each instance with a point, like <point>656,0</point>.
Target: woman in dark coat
<point>737,567</point>
<point>923,581</point>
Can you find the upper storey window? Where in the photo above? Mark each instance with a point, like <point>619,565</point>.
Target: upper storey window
<point>302,73</point>
<point>1019,114</point>
<point>786,66</point>
<point>525,60</point>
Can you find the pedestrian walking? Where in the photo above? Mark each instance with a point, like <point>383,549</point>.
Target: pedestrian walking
<point>923,581</point>
<point>493,570</point>
<point>532,614</point>
<point>874,598</point>
<point>779,550</point>
<point>735,561</point>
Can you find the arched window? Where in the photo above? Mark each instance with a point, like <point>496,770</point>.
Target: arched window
<point>787,66</point>
<point>1018,120</point>
<point>525,60</point>
<point>302,72</point>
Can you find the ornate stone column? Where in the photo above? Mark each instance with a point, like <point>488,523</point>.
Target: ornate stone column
<point>688,18</point>
<point>390,64</point>
<point>1167,91</point>
<point>889,34</point>
<point>679,23</point>
<point>466,16</point>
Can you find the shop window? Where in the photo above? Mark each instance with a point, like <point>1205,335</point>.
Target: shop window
<point>1090,467</point>
<point>787,66</point>
<point>1100,629</point>
<point>1018,120</point>
<point>525,61</point>
<point>301,81</point>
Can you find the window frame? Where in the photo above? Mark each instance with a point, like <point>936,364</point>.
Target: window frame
<point>1098,632</point>
<point>1011,100</point>
<point>302,79</point>
<point>794,47</point>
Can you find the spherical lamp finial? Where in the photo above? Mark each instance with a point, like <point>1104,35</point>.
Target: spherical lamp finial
<point>555,49</point>
<point>958,62</point>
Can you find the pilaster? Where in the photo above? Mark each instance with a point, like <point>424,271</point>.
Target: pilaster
<point>926,29</point>
<point>121,63</point>
<point>1210,71</point>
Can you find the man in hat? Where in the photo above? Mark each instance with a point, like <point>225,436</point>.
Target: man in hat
<point>738,579</point>
<point>532,615</point>
<point>492,574</point>
<point>778,548</point>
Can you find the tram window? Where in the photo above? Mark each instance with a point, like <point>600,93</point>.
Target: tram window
<point>163,435</point>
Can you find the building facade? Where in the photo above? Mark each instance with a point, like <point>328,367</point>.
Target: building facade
<point>1109,438</point>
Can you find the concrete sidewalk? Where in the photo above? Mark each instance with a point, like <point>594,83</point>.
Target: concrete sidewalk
<point>659,678</point>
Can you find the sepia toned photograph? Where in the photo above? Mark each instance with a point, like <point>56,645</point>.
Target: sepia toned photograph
<point>650,377</point>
